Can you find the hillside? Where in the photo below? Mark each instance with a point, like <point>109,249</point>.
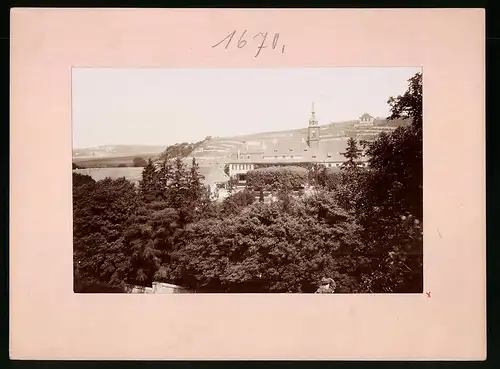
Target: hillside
<point>218,150</point>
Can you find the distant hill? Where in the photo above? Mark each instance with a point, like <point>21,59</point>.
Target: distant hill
<point>103,151</point>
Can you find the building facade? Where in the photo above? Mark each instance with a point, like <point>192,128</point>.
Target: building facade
<point>310,148</point>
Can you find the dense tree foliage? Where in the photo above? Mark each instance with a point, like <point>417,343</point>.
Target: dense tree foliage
<point>265,248</point>
<point>277,178</point>
<point>388,199</point>
<point>100,213</point>
<point>360,227</point>
<point>181,150</point>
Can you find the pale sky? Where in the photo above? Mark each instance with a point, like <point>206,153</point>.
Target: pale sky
<point>147,106</point>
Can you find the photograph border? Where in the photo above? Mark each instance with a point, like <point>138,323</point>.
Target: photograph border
<point>282,326</point>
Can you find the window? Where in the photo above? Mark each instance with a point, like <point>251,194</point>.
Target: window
<point>305,149</point>
<point>275,150</point>
<point>284,157</point>
<point>329,155</point>
<point>329,165</point>
<point>276,157</point>
<point>248,157</point>
<point>337,164</point>
<point>291,157</point>
<point>314,156</point>
<point>291,150</point>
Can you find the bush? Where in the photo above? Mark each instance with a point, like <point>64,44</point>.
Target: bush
<point>237,202</point>
<point>140,162</point>
<point>277,178</point>
<point>82,179</point>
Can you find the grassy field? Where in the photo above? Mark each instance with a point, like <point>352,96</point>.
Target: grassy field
<point>111,162</point>
<point>132,174</point>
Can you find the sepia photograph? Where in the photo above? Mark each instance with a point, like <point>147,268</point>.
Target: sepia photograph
<point>275,180</point>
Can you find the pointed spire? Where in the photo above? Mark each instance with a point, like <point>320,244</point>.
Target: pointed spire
<point>312,120</point>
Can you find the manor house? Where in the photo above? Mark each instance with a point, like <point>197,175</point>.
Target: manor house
<point>294,149</point>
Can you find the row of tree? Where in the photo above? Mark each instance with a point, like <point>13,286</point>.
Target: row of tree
<point>362,227</point>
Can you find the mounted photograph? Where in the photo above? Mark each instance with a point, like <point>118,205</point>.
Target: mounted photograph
<point>276,180</point>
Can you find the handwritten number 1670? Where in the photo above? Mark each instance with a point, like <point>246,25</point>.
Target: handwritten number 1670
<point>242,41</point>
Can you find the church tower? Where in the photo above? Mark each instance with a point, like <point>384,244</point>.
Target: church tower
<point>313,131</point>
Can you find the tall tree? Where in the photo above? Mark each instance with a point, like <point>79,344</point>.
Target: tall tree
<point>394,197</point>
<point>148,185</point>
<point>196,187</point>
<point>396,158</point>
<point>178,191</point>
<point>352,154</point>
<point>409,105</point>
<point>164,176</point>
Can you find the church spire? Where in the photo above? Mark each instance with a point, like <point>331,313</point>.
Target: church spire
<point>312,120</point>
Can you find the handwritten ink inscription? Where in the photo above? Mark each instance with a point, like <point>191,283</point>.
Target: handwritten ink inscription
<point>260,39</point>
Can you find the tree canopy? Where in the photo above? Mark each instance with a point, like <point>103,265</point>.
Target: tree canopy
<point>277,178</point>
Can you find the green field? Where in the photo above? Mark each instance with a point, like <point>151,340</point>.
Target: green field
<point>132,174</point>
<point>110,162</point>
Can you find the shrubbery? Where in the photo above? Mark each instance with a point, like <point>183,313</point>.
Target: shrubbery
<point>277,178</point>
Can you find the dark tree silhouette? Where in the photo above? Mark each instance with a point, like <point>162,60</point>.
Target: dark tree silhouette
<point>352,154</point>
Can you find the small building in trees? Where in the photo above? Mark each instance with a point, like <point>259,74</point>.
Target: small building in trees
<point>214,177</point>
<point>365,120</point>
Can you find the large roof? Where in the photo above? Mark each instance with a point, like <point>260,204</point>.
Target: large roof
<point>329,150</point>
<point>286,147</point>
<point>213,174</point>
